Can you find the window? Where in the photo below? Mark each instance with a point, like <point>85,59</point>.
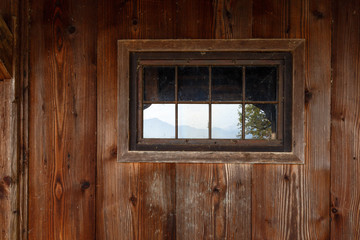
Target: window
<point>186,100</point>
<point>210,101</point>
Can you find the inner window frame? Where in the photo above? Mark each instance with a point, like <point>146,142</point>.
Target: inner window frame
<point>282,60</point>
<point>294,46</point>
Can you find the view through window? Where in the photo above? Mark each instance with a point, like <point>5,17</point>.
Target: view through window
<point>208,102</point>
<point>227,101</point>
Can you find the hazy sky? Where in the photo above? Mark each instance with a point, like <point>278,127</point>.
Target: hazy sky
<point>195,115</point>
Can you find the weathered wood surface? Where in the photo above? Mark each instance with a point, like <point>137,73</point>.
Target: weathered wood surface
<point>9,134</point>
<point>73,122</point>
<point>134,201</point>
<point>345,129</point>
<point>7,183</point>
<point>6,50</point>
<point>62,121</point>
<point>292,202</point>
<point>208,199</point>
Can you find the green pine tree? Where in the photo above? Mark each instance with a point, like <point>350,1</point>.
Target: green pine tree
<point>256,123</point>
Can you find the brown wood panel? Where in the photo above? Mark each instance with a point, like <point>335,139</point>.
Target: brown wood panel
<point>232,19</point>
<point>134,201</point>
<point>292,202</point>
<point>23,93</point>
<point>62,120</point>
<point>7,180</point>
<point>345,128</point>
<point>9,134</point>
<point>194,19</point>
<point>213,201</point>
<point>125,204</point>
<point>6,50</point>
<point>5,11</point>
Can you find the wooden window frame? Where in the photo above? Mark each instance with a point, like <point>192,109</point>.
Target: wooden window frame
<point>281,60</point>
<point>294,46</point>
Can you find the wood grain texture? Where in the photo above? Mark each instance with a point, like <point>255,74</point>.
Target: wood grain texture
<point>291,202</point>
<point>345,129</point>
<point>6,50</point>
<point>128,207</point>
<point>205,206</point>
<point>62,120</point>
<point>73,42</point>
<point>134,201</point>
<point>213,201</point>
<point>7,179</point>
<point>9,131</point>
<point>23,107</point>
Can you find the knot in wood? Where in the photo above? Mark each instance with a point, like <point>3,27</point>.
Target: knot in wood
<point>85,185</point>
<point>71,29</point>
<point>133,200</point>
<point>58,190</point>
<point>8,180</point>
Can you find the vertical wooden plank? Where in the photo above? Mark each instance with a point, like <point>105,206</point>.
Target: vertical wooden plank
<point>23,93</point>
<point>291,202</point>
<point>157,201</point>
<point>194,19</point>
<point>157,187</point>
<point>116,184</point>
<point>317,110</point>
<point>345,129</point>
<point>134,201</point>
<point>232,19</point>
<point>62,120</point>
<point>269,18</point>
<point>9,133</point>
<point>195,215</point>
<point>7,179</point>
<point>213,201</point>
<point>272,185</point>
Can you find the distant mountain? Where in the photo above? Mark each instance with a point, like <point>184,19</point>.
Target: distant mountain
<point>190,132</point>
<point>224,133</point>
<point>155,128</point>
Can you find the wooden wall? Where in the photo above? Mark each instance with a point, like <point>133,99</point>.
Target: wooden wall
<point>11,165</point>
<point>345,125</point>
<point>77,190</point>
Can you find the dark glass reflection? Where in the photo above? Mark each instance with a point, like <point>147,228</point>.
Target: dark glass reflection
<point>226,83</point>
<point>193,83</point>
<point>159,83</point>
<point>261,83</point>
<point>260,121</point>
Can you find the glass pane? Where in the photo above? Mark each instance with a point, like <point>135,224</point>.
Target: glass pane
<point>226,83</point>
<point>193,121</point>
<point>193,83</point>
<point>260,121</point>
<point>226,121</point>
<point>261,83</point>
<point>159,83</point>
<point>159,121</point>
